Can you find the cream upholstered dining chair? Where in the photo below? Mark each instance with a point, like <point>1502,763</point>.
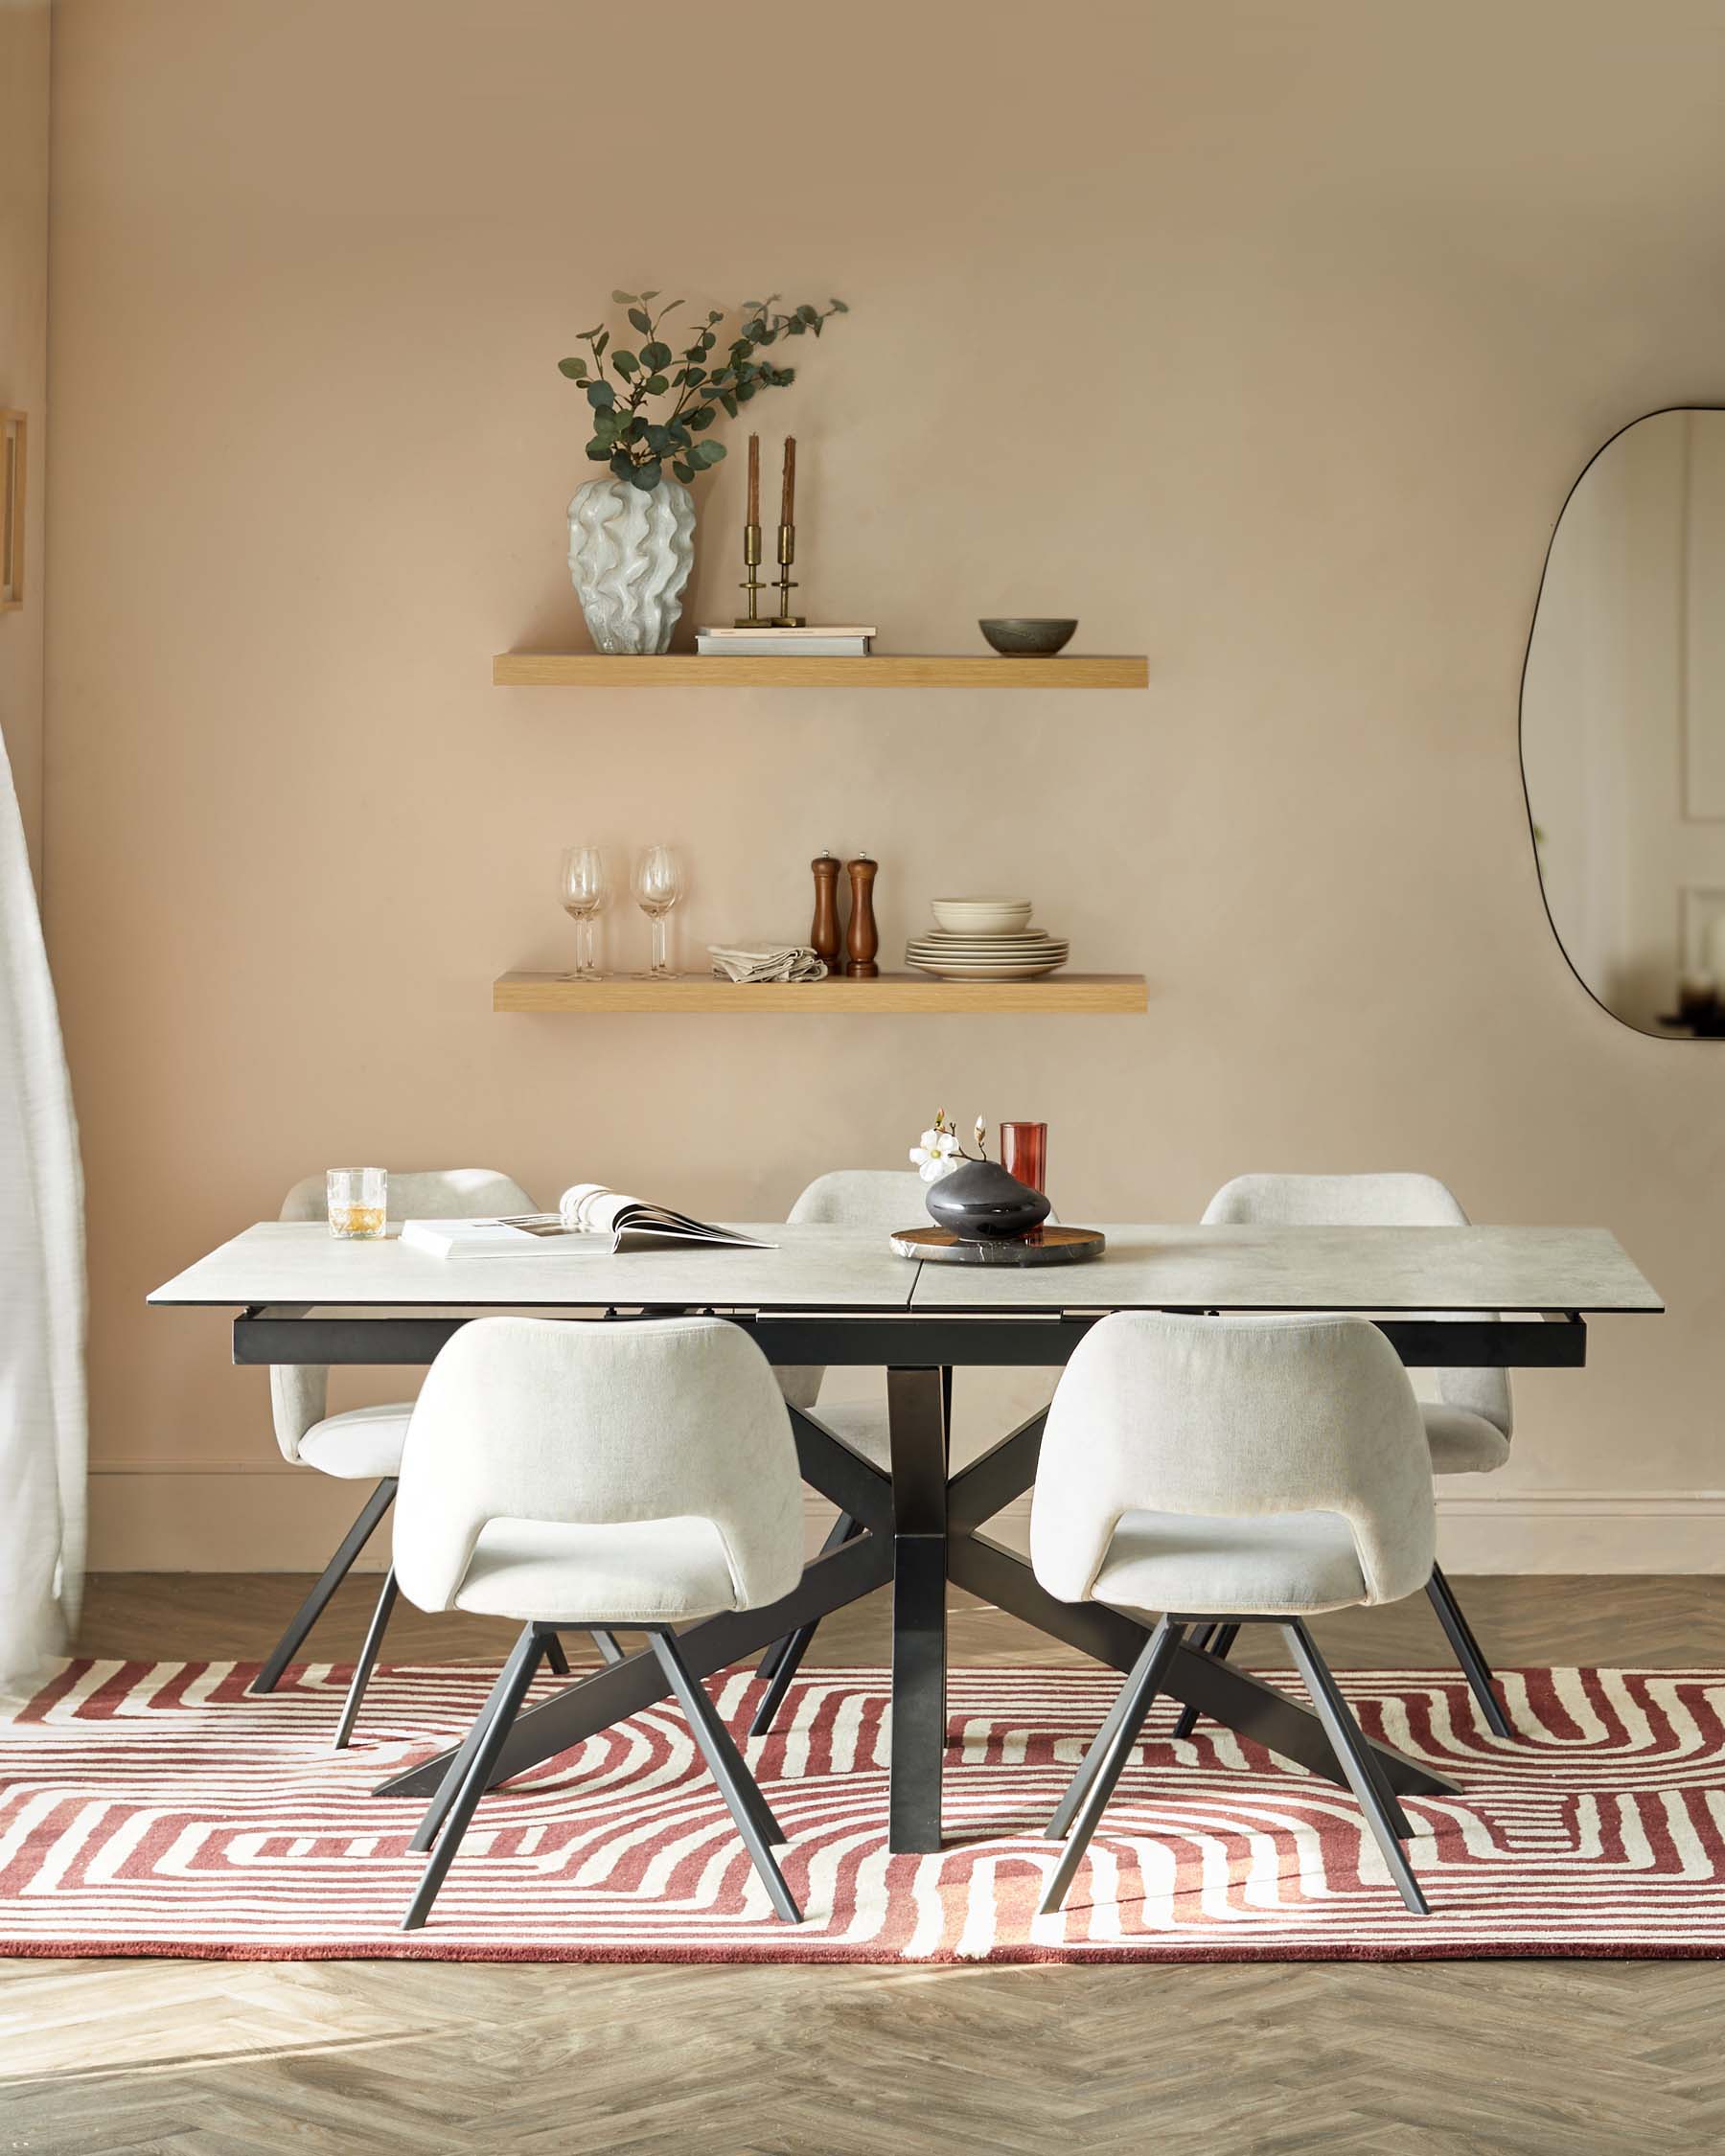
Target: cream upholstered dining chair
<point>1468,1413</point>
<point>637,1472</point>
<point>363,1444</point>
<point>1218,1469</point>
<point>880,1199</point>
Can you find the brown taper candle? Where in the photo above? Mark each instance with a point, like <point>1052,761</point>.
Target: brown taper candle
<point>861,938</point>
<point>788,501</point>
<point>754,479</point>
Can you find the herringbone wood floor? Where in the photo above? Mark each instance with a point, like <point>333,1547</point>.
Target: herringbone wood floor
<point>1563,2058</point>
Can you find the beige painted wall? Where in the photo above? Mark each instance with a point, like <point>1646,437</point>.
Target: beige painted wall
<point>1266,339</point>
<point>24,39</point>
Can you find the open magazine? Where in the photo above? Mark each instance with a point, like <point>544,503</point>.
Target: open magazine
<point>589,1217</point>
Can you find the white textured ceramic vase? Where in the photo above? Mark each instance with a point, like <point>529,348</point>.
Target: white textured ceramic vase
<point>629,555</point>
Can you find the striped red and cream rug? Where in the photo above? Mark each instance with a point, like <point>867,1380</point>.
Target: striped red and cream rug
<point>160,1809</point>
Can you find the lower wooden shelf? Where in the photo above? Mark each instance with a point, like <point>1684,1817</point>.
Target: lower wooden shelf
<point>886,995</point>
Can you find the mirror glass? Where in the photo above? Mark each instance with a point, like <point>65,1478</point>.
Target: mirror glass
<point>1624,726</point>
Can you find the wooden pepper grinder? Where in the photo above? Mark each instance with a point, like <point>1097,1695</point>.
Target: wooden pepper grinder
<point>863,939</point>
<point>823,935</point>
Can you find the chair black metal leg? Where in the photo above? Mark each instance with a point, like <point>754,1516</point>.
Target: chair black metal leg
<point>781,1662</point>
<point>556,1661</point>
<point>426,1833</point>
<point>1061,1825</point>
<point>1112,1749</point>
<point>606,1644</point>
<point>1351,1755</point>
<point>1466,1650</point>
<point>1215,1640</point>
<point>368,1660</point>
<point>333,1573</point>
<point>510,1689</point>
<point>743,1798</point>
<point>790,1652</point>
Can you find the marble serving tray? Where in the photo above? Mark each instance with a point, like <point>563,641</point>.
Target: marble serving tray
<point>1042,1246</point>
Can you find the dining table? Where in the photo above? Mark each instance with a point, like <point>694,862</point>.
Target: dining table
<point>1444,1297</point>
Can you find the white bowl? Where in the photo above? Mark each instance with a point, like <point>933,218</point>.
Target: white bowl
<point>984,916</point>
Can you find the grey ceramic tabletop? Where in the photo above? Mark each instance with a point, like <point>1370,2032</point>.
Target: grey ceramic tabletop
<point>293,1261</point>
<point>1377,1269</point>
<point>1145,1267</point>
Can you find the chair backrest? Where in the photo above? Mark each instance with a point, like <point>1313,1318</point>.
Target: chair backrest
<point>1370,1201</point>
<point>878,1198</point>
<point>299,1392</point>
<point>883,1198</point>
<point>1234,1417</point>
<point>598,1423</point>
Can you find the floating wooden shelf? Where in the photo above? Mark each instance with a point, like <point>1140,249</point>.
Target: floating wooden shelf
<point>888,995</point>
<point>890,670</point>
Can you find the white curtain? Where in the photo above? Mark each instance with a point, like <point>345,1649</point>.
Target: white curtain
<point>42,1424</point>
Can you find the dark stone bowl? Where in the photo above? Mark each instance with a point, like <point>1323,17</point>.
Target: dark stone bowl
<point>1019,637</point>
<point>981,1203</point>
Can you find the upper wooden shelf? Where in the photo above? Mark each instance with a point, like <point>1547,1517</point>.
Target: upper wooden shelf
<point>888,995</point>
<point>888,670</point>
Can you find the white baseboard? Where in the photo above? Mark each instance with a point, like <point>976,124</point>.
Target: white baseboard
<point>179,1517</point>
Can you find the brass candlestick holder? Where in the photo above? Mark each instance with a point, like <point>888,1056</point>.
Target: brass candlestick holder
<point>753,583</point>
<point>786,553</point>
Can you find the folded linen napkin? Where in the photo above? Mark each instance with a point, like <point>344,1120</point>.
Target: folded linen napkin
<point>765,961</point>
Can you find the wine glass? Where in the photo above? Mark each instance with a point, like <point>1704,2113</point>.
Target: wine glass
<point>658,884</point>
<point>582,888</point>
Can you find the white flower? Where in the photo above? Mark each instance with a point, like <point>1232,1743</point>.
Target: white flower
<point>937,1155</point>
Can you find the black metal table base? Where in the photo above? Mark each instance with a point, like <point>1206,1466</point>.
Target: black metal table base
<point>919,1529</point>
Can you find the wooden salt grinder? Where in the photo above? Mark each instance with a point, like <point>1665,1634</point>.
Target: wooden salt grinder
<point>863,939</point>
<point>823,936</point>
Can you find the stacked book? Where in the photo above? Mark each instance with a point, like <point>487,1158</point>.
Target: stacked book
<point>757,638</point>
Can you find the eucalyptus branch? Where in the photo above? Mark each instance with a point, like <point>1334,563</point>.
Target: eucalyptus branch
<point>628,436</point>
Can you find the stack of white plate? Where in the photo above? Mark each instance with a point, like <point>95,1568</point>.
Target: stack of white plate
<point>985,939</point>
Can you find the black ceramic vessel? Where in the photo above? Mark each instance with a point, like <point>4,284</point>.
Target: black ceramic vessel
<point>983,1203</point>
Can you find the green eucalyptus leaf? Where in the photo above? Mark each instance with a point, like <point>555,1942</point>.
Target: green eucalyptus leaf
<point>646,476</point>
<point>599,394</point>
<point>641,320</point>
<point>599,449</point>
<point>624,362</point>
<point>623,298</point>
<point>795,326</point>
<point>699,416</point>
<point>654,295</point>
<point>575,369</point>
<point>712,452</point>
<point>805,312</point>
<point>669,307</point>
<point>678,435</point>
<point>655,356</point>
<point>622,467</point>
<point>744,392</point>
<point>682,471</point>
<point>600,342</point>
<point>837,307</point>
<point>729,402</point>
<point>656,385</point>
